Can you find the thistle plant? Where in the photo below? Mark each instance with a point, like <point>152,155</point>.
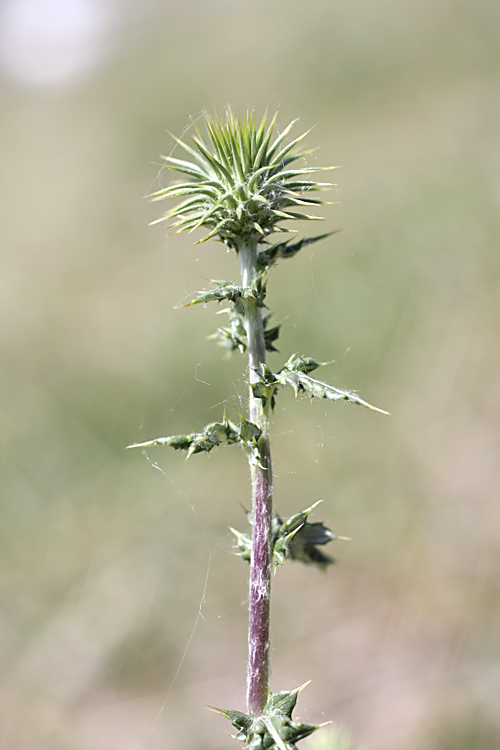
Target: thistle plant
<point>240,183</point>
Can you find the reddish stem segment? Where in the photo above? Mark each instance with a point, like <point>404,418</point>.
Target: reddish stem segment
<point>260,586</point>
<point>262,488</point>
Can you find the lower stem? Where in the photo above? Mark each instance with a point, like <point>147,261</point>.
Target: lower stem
<point>262,488</point>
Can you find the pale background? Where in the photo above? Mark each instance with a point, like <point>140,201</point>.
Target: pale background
<point>106,560</point>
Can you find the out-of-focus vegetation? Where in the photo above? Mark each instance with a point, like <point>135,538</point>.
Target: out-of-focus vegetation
<point>105,559</point>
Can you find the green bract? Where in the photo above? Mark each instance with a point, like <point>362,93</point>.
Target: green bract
<point>239,185</point>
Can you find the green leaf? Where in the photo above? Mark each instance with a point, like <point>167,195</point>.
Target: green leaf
<point>234,336</point>
<point>317,389</point>
<point>211,436</point>
<point>303,364</point>
<point>224,290</point>
<point>271,335</point>
<point>294,373</point>
<point>282,250</point>
<point>293,538</point>
<point>275,729</point>
<point>243,544</point>
<point>249,432</point>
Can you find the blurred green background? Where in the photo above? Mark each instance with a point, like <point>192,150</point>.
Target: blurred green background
<point>123,610</point>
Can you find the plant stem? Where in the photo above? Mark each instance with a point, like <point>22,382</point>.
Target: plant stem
<point>262,489</point>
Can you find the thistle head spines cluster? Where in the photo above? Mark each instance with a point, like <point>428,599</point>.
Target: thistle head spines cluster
<point>238,185</point>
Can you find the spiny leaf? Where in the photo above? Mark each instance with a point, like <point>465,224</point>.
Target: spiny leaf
<point>275,729</point>
<point>282,250</point>
<point>234,336</point>
<point>270,336</point>
<point>211,436</point>
<point>302,364</point>
<point>249,432</point>
<point>300,539</point>
<point>224,290</point>
<point>317,389</point>
<point>292,538</point>
<point>294,374</point>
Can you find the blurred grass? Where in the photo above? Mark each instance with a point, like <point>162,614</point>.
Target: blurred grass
<point>104,558</point>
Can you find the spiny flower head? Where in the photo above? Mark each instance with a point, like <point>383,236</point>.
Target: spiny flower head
<point>240,185</point>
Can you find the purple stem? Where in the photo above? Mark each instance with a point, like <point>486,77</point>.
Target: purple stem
<point>262,488</point>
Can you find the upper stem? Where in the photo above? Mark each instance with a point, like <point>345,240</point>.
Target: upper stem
<point>262,487</point>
